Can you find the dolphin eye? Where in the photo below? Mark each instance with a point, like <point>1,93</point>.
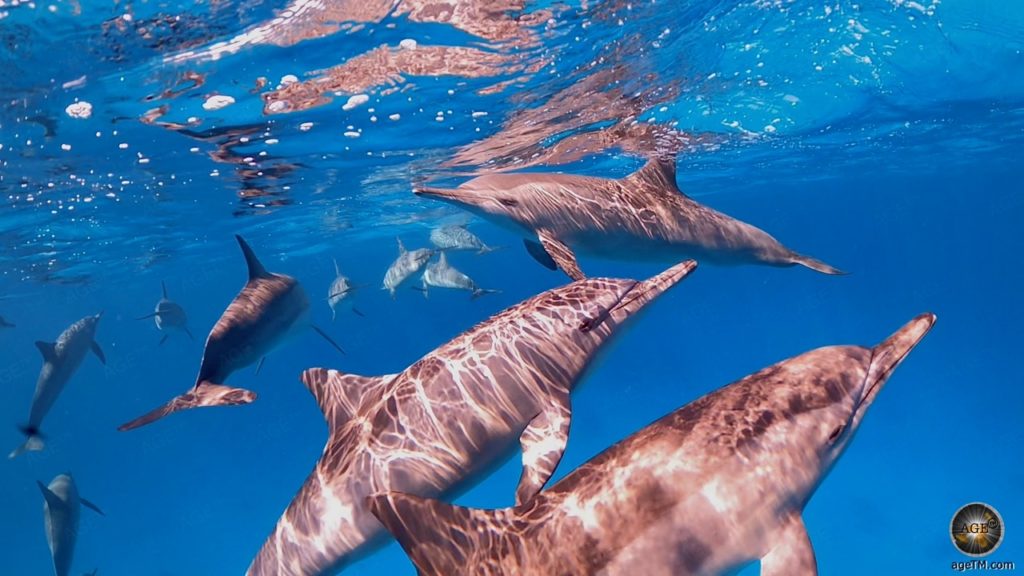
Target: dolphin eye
<point>508,202</point>
<point>835,434</point>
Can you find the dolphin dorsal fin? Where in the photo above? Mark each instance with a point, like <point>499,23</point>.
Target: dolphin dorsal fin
<point>443,259</point>
<point>337,272</point>
<point>401,247</point>
<point>339,395</point>
<point>52,499</point>
<point>658,171</point>
<point>441,538</point>
<point>47,349</point>
<point>256,270</point>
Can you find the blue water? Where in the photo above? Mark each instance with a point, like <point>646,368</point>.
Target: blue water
<point>885,138</point>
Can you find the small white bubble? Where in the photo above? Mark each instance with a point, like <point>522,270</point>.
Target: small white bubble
<point>394,117</point>
<point>80,110</point>
<point>351,134</point>
<point>217,102</point>
<point>407,44</point>
<point>65,147</point>
<point>306,126</point>
<point>123,145</point>
<point>271,141</point>
<point>354,101</point>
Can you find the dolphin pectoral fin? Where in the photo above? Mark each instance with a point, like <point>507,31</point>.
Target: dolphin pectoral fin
<point>357,312</point>
<point>98,352</point>
<point>91,506</point>
<point>793,555</point>
<point>334,315</point>
<point>202,395</point>
<point>543,444</point>
<point>328,338</point>
<point>259,364</point>
<point>816,265</point>
<point>482,292</point>
<point>47,349</point>
<point>561,254</point>
<point>148,316</point>
<point>338,394</point>
<point>538,253</point>
<point>163,339</point>
<point>442,538</point>
<point>188,333</point>
<point>52,500</point>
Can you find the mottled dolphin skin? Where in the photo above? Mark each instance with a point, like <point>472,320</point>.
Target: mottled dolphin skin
<point>643,216</point>
<point>708,489</point>
<point>268,309</point>
<point>61,360</point>
<point>407,264</point>
<point>456,237</point>
<point>440,274</point>
<point>168,315</point>
<point>437,427</point>
<point>61,509</point>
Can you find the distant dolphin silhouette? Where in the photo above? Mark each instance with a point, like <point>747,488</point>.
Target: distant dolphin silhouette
<point>268,309</point>
<point>711,487</point>
<point>341,288</point>
<point>440,274</point>
<point>5,324</point>
<point>61,509</point>
<point>438,426</point>
<point>643,216</point>
<point>409,262</point>
<point>168,315</point>
<point>61,360</point>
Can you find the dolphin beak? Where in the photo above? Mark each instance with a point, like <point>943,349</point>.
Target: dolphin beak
<point>449,194</point>
<point>887,356</point>
<point>647,291</point>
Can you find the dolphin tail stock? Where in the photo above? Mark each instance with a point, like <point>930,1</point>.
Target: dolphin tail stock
<point>426,530</point>
<point>478,292</point>
<point>33,442</point>
<point>815,264</point>
<point>489,249</point>
<point>202,395</point>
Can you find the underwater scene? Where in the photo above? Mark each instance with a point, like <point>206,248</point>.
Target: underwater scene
<point>308,287</point>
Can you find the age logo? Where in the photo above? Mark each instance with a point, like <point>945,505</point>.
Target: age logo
<point>976,529</point>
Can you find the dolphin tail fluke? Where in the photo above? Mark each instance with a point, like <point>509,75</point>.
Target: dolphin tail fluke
<point>816,265</point>
<point>33,442</point>
<point>203,395</point>
<point>482,292</point>
<point>439,538</point>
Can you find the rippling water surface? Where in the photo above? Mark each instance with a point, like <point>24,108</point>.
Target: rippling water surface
<point>136,138</point>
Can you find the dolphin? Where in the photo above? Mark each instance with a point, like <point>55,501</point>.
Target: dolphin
<point>708,489</point>
<point>60,361</point>
<point>270,308</point>
<point>167,315</point>
<point>5,324</point>
<point>61,508</point>
<point>440,425</point>
<point>456,237</point>
<point>643,216</point>
<point>440,274</point>
<point>407,264</point>
<point>340,289</point>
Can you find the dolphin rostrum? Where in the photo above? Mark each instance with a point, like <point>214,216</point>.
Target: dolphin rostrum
<point>168,315</point>
<point>409,262</point>
<point>340,289</point>
<point>456,237</point>
<point>643,216</point>
<point>269,308</point>
<point>60,361</point>
<point>61,509</point>
<point>440,274</point>
<point>435,428</point>
<point>709,488</point>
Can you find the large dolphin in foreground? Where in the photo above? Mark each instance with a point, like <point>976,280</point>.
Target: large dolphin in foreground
<point>60,361</point>
<point>436,427</point>
<point>713,486</point>
<point>168,315</point>
<point>61,509</point>
<point>269,308</point>
<point>643,216</point>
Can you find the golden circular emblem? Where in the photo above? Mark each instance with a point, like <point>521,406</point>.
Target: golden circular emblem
<point>976,529</point>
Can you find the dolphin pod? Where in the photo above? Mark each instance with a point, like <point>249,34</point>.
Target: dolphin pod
<point>61,360</point>
<point>61,509</point>
<point>435,427</point>
<point>642,216</point>
<point>269,308</point>
<point>709,488</point>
